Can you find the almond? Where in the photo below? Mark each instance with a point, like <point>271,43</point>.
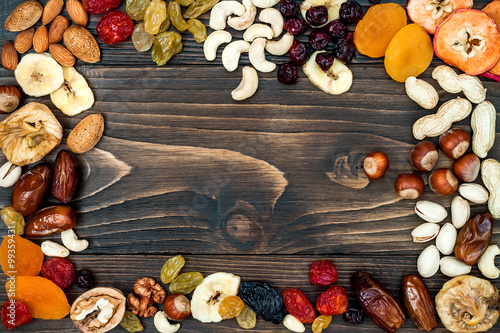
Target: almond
<point>77,12</point>
<point>62,55</point>
<point>41,39</point>
<point>24,40</point>
<point>82,44</point>
<point>51,10</point>
<point>57,28</point>
<point>24,16</point>
<point>9,56</point>
<point>86,133</point>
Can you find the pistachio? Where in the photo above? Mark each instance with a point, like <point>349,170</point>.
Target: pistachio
<point>9,174</point>
<point>445,241</point>
<point>473,192</point>
<point>451,266</point>
<point>430,211</point>
<point>428,261</point>
<point>460,211</point>
<point>425,232</point>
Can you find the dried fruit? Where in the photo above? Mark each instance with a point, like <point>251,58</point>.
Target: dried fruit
<point>155,15</point>
<point>350,12</point>
<point>317,16</point>
<point>13,220</point>
<point>230,307</point>
<point>474,238</point>
<point>24,16</point>
<point>322,272</point>
<point>84,279</point>
<point>431,13</point>
<point>318,39</point>
<point>321,323</point>
<point>177,307</point>
<point>295,26</point>
<point>298,305</point>
<point>136,9</point>
<point>199,7</point>
<point>57,28</point>
<point>27,259</point>
<point>287,73</point>
<point>142,40</point>
<point>344,48</point>
<point>15,314</point>
<point>353,316</point>
<point>77,12</point>
<point>175,15</point>
<point>332,302</point>
<point>185,283</point>
<point>299,53</point>
<point>324,60</point>
<point>418,303</point>
<point>86,133</point>
<point>75,95</point>
<point>82,44</point>
<point>336,29</point>
<point>114,27</point>
<point>171,268</point>
<point>336,80</point>
<point>197,29</point>
<point>165,46</point>
<point>289,8</point>
<point>24,40</point>
<point>247,318</point>
<point>30,189</point>
<point>264,300</point>
<point>50,220</point>
<point>493,9</point>
<point>60,271</point>
<point>131,322</point>
<point>100,6</point>
<point>8,56</point>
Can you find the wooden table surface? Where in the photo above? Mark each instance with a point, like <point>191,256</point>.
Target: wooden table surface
<point>260,188</point>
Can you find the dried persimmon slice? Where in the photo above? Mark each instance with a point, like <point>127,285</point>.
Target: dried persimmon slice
<point>431,13</point>
<point>493,9</point>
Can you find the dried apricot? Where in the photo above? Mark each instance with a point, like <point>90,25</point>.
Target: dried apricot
<point>43,298</point>
<point>375,31</point>
<point>493,10</point>
<point>409,53</point>
<point>19,256</point>
<point>431,13</point>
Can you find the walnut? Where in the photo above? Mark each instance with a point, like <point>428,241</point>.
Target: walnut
<point>150,292</point>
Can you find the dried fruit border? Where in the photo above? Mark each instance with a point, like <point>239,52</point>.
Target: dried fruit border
<point>473,34</point>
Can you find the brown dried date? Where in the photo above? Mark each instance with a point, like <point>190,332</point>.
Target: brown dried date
<point>377,302</point>
<point>474,238</point>
<point>50,220</point>
<point>65,177</point>
<point>30,189</point>
<point>418,303</point>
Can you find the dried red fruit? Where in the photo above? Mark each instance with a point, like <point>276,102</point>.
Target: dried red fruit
<point>115,27</point>
<point>15,314</point>
<point>298,305</point>
<point>100,6</point>
<point>332,302</point>
<point>322,272</point>
<point>60,271</point>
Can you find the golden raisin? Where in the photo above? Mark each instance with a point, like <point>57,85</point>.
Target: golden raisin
<point>19,256</point>
<point>230,307</point>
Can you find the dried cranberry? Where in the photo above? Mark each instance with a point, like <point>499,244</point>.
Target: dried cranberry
<point>332,302</point>
<point>100,6</point>
<point>336,29</point>
<point>15,314</point>
<point>289,8</point>
<point>299,53</point>
<point>298,305</point>
<point>84,279</point>
<point>287,73</point>
<point>115,27</point>
<point>322,272</point>
<point>60,271</point>
<point>344,48</point>
<point>317,16</point>
<point>295,26</point>
<point>318,39</point>
<point>324,60</point>
<point>354,316</point>
<point>350,12</point>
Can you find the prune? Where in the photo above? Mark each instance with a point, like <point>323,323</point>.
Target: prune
<point>350,12</point>
<point>324,60</point>
<point>15,314</point>
<point>287,73</point>
<point>298,305</point>
<point>344,48</point>
<point>318,39</point>
<point>295,26</point>
<point>171,268</point>
<point>354,316</point>
<point>60,271</point>
<point>230,307</point>
<point>336,29</point>
<point>332,302</point>
<point>322,272</point>
<point>264,300</point>
<point>100,6</point>
<point>114,27</point>
<point>84,279</point>
<point>299,53</point>
<point>317,16</point>
<point>289,8</point>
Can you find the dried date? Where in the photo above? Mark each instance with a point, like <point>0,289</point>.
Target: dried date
<point>418,303</point>
<point>65,177</point>
<point>30,189</point>
<point>474,238</point>
<point>50,220</point>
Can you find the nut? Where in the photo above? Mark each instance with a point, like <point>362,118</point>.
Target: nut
<point>473,88</point>
<point>451,266</point>
<point>77,12</point>
<point>428,261</point>
<point>41,39</point>
<point>222,10</point>
<point>150,292</point>
<point>9,174</point>
<point>265,3</point>
<point>466,168</point>
<point>162,324</point>
<point>376,165</point>
<point>57,28</point>
<point>425,232</point>
<point>258,30</point>
<point>62,55</point>
<point>443,182</point>
<point>460,211</point>
<point>51,10</point>
<point>257,56</point>
<point>421,92</point>
<point>409,185</point>
<point>231,54</point>
<point>9,98</point>
<point>273,17</point>
<point>454,143</point>
<point>244,21</point>
<point>9,56</point>
<point>473,192</point>
<point>71,241</point>
<point>24,16</point>
<point>483,128</point>
<point>280,47</point>
<point>486,263</point>
<point>293,324</point>
<point>86,134</point>
<point>436,124</point>
<point>447,79</point>
<point>490,173</point>
<point>24,40</point>
<point>52,249</point>
<point>177,307</point>
<point>248,85</point>
<point>424,156</point>
<point>451,82</point>
<point>82,44</point>
<point>445,241</point>
<point>212,43</point>
<point>430,211</point>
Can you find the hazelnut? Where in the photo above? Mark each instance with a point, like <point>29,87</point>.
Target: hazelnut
<point>454,143</point>
<point>424,156</point>
<point>409,185</point>
<point>9,98</point>
<point>443,182</point>
<point>467,167</point>
<point>376,165</point>
<point>177,307</point>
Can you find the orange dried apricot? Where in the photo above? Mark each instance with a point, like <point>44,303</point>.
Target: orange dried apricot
<point>44,299</point>
<point>431,13</point>
<point>409,53</point>
<point>375,31</point>
<point>19,256</point>
<point>493,10</point>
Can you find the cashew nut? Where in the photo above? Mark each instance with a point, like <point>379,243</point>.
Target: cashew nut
<point>274,18</point>
<point>258,30</point>
<point>231,54</point>
<point>52,249</point>
<point>248,85</point>
<point>244,21</point>
<point>486,263</point>
<point>212,43</point>
<point>222,10</point>
<point>71,241</point>
<point>257,56</point>
<point>280,47</point>
<point>162,324</point>
<point>265,3</point>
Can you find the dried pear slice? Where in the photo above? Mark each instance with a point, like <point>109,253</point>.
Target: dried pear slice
<point>431,13</point>
<point>30,133</point>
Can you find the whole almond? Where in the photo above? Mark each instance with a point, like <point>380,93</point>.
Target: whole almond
<point>24,40</point>
<point>86,133</point>
<point>77,12</point>
<point>82,44</point>
<point>24,16</point>
<point>62,55</point>
<point>41,39</point>
<point>9,56</point>
<point>57,28</point>
<point>51,10</point>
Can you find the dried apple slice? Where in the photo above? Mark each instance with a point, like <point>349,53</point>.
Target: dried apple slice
<point>431,13</point>
<point>469,40</point>
<point>493,10</point>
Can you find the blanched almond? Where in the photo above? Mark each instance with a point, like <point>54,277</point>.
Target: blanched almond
<point>24,40</point>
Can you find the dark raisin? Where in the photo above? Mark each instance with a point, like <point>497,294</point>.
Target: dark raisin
<point>336,29</point>
<point>317,16</point>
<point>350,12</point>
<point>287,73</point>
<point>84,279</point>
<point>289,8</point>
<point>264,300</point>
<point>318,39</point>
<point>344,48</point>
<point>295,26</point>
<point>324,60</point>
<point>299,53</point>
<point>354,316</point>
